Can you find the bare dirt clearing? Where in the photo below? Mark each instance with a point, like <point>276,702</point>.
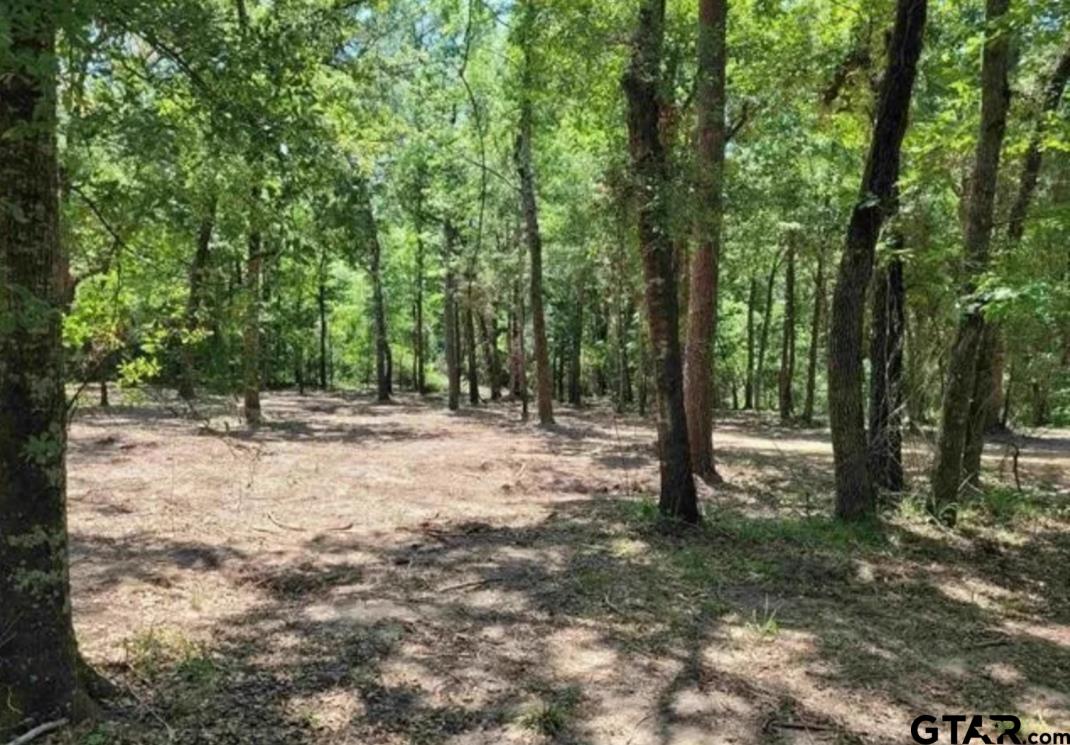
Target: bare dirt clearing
<point>361,573</point>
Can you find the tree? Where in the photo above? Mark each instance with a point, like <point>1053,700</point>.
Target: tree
<point>787,339</point>
<point>650,174</point>
<point>710,140</point>
<point>38,677</point>
<point>854,490</point>
<point>529,207</point>
<point>886,374</point>
<point>947,478</point>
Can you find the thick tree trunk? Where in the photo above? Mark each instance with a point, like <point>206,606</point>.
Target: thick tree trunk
<point>38,656</point>
<point>787,342</point>
<point>251,330</point>
<point>748,385</point>
<point>710,139</point>
<point>948,476</point>
<point>886,376</point>
<point>650,172</point>
<point>816,324</point>
<point>763,339</point>
<point>198,277</point>
<point>854,490</point>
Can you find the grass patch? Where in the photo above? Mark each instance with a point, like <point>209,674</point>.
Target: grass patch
<point>551,718</point>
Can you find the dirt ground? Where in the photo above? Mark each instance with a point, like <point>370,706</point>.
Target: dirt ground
<point>379,574</point>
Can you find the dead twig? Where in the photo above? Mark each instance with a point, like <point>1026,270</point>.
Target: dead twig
<point>37,731</point>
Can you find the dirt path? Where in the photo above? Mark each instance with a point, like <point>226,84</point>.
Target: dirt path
<point>357,573</point>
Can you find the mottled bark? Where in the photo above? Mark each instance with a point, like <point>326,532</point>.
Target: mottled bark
<point>855,495</point>
<point>709,218</point>
<point>650,172</point>
<point>948,476</point>
<point>38,656</point>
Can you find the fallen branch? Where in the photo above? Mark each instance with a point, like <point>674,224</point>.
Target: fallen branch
<point>37,731</point>
<point>803,726</point>
<point>477,583</point>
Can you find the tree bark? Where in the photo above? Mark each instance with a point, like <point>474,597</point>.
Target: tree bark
<point>787,343</point>
<point>816,324</point>
<point>650,172</point>
<point>710,140</point>
<point>470,349</point>
<point>575,354</point>
<point>886,376</point>
<point>38,672</point>
<point>321,302</point>
<point>855,495</point>
<point>453,362</point>
<point>948,475</point>
<point>488,329</point>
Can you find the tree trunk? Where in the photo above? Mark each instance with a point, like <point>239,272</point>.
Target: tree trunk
<point>251,331</point>
<point>748,384</point>
<point>816,322</point>
<point>488,329</point>
<point>650,172</point>
<point>453,361</point>
<point>575,356</point>
<point>710,139</point>
<point>855,495</point>
<point>787,342</point>
<point>321,302</point>
<point>763,340</point>
<point>38,674</point>
<point>948,476</point>
<point>529,207</point>
<point>198,277</point>
<point>420,376</point>
<point>470,349</point>
<point>886,376</point>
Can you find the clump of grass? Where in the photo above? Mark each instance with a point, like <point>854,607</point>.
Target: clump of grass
<point>764,625</point>
<point>155,651</point>
<point>551,718</point>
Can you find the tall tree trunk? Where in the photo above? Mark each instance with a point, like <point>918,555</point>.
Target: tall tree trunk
<point>710,137</point>
<point>470,349</point>
<point>321,302</point>
<point>529,207</point>
<point>816,324</point>
<point>855,495</point>
<point>987,403</point>
<point>886,375</point>
<point>453,361</point>
<point>650,172</point>
<point>748,385</point>
<point>575,355</point>
<point>763,338</point>
<point>198,277</point>
<point>488,331</point>
<point>955,415</point>
<point>787,342</point>
<point>251,330</point>
<point>38,672</point>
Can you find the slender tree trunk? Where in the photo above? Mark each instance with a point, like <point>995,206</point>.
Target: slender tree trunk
<point>575,356</point>
<point>197,280</point>
<point>855,495</point>
<point>453,362</point>
<point>529,207</point>
<point>520,358</point>
<point>710,137</point>
<point>38,672</point>
<point>470,349</point>
<point>787,343</point>
<point>321,302</point>
<point>816,323</point>
<point>886,376</point>
<point>748,386</point>
<point>488,331</point>
<point>948,475</point>
<point>251,331</point>
<point>421,365</point>
<point>763,339</point>
<point>650,171</point>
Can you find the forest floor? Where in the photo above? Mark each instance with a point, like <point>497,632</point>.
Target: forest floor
<point>379,574</point>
